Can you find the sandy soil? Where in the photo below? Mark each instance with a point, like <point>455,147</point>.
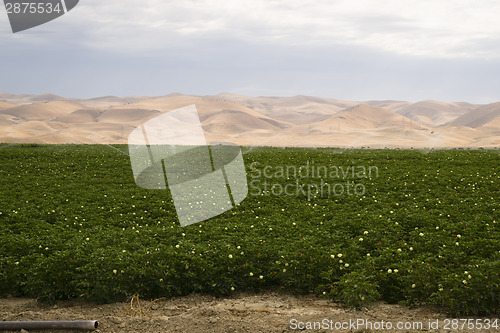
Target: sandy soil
<point>242,313</point>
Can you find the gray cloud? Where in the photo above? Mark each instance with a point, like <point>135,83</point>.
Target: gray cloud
<point>353,50</point>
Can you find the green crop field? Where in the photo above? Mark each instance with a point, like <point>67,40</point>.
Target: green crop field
<point>356,226</point>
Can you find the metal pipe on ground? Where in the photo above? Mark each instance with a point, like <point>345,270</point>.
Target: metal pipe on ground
<point>48,325</point>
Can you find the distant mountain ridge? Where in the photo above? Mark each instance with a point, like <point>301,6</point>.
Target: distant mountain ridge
<point>273,121</point>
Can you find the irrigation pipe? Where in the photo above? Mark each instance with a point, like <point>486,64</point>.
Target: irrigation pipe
<point>48,325</point>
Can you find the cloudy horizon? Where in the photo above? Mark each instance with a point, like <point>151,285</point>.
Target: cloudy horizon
<point>356,50</point>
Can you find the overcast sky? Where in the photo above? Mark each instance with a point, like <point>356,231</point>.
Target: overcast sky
<point>353,49</point>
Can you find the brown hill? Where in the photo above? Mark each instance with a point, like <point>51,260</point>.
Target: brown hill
<point>42,111</point>
<point>388,104</point>
<point>206,106</point>
<point>478,117</point>
<point>7,120</point>
<point>127,116</point>
<point>6,105</point>
<point>237,122</point>
<point>296,110</point>
<point>434,113</point>
<point>30,99</point>
<point>108,101</point>
<point>80,116</point>
<point>288,121</point>
<point>364,116</point>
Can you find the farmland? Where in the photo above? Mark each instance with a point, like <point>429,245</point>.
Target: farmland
<point>420,228</point>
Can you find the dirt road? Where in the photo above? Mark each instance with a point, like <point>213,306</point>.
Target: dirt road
<point>242,313</point>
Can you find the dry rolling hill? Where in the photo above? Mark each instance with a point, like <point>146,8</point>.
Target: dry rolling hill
<point>478,117</point>
<point>42,111</point>
<point>434,113</point>
<point>276,121</point>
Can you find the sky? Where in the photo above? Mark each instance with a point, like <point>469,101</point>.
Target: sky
<point>346,49</point>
